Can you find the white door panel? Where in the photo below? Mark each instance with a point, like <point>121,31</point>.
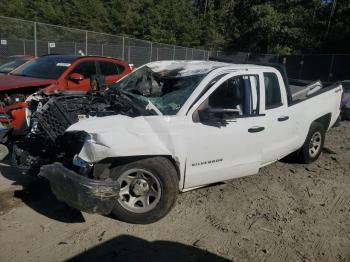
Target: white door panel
<point>222,153</point>
<point>281,135</point>
<point>281,127</point>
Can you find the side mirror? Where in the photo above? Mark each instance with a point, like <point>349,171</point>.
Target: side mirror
<point>217,114</point>
<point>75,77</point>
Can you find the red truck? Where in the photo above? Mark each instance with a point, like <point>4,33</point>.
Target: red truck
<point>50,73</point>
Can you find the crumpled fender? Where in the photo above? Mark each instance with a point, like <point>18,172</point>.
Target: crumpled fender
<point>118,136</point>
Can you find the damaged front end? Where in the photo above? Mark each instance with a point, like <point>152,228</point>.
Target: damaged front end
<point>80,192</point>
<point>49,151</point>
<point>49,116</point>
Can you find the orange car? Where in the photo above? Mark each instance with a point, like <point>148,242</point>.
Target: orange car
<point>50,73</point>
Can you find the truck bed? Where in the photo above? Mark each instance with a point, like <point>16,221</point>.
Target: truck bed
<point>301,89</point>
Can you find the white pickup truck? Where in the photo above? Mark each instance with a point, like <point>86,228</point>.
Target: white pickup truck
<point>181,125</point>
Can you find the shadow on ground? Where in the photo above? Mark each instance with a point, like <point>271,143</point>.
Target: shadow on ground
<point>37,195</point>
<point>129,248</point>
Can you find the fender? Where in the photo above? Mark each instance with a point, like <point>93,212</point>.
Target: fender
<point>123,136</point>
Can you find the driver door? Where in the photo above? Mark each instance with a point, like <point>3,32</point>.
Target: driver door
<point>86,69</point>
<point>225,146</point>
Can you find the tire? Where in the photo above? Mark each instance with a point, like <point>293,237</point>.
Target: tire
<point>149,188</point>
<point>313,144</point>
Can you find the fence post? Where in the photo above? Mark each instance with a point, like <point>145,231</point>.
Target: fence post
<point>129,54</point>
<point>301,66</point>
<point>157,54</point>
<point>24,47</point>
<point>331,69</point>
<point>186,53</point>
<point>35,41</point>
<point>123,49</point>
<point>48,47</point>
<point>174,53</point>
<point>75,48</point>
<point>151,52</point>
<point>102,49</point>
<point>86,42</point>
<point>204,55</point>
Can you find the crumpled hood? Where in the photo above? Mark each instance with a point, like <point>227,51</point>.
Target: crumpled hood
<point>115,136</point>
<point>9,82</point>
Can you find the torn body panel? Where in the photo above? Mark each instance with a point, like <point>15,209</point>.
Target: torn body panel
<point>128,137</point>
<point>80,192</point>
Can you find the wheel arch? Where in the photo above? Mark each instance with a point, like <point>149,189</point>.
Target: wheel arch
<point>325,120</point>
<point>122,160</point>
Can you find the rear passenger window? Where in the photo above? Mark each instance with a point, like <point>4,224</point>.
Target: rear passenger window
<point>272,91</point>
<point>108,68</point>
<point>87,69</point>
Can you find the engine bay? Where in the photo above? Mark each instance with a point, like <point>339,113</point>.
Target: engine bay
<point>49,117</point>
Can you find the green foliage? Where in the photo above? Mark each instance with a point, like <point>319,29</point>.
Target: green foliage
<point>283,26</point>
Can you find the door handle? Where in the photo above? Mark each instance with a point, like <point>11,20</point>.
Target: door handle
<point>283,118</point>
<point>256,129</point>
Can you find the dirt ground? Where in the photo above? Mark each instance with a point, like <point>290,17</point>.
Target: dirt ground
<point>288,212</point>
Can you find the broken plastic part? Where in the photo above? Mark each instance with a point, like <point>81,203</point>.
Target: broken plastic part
<point>79,192</point>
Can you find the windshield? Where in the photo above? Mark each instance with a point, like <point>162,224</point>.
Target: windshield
<point>167,93</point>
<point>48,67</point>
<point>9,66</point>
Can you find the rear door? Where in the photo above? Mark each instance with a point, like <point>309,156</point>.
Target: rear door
<point>112,71</point>
<point>280,137</point>
<point>86,69</point>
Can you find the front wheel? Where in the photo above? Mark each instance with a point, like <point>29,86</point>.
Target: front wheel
<point>148,190</point>
<point>313,144</point>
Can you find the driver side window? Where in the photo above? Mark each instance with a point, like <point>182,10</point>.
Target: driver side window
<point>86,69</point>
<point>237,95</point>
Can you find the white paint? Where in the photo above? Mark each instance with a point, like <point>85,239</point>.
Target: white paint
<point>230,151</point>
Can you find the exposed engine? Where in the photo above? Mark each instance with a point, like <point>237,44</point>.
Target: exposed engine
<point>50,116</point>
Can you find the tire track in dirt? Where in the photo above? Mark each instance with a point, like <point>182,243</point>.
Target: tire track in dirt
<point>340,204</point>
<point>335,201</point>
<point>323,250</point>
<point>272,252</point>
<point>217,224</point>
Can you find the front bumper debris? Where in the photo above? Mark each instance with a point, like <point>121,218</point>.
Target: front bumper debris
<point>79,192</point>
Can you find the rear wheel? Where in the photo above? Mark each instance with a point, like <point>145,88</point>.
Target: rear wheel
<point>149,189</point>
<point>313,144</point>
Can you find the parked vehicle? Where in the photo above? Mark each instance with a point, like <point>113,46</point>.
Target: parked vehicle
<point>345,104</point>
<point>167,127</point>
<point>12,62</point>
<point>51,73</point>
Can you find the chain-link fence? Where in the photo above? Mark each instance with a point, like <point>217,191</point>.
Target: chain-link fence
<point>22,37</point>
<point>329,68</point>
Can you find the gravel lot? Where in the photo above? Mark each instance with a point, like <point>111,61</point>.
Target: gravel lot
<point>288,212</point>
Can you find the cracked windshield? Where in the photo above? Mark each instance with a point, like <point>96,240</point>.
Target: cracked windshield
<point>163,92</point>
